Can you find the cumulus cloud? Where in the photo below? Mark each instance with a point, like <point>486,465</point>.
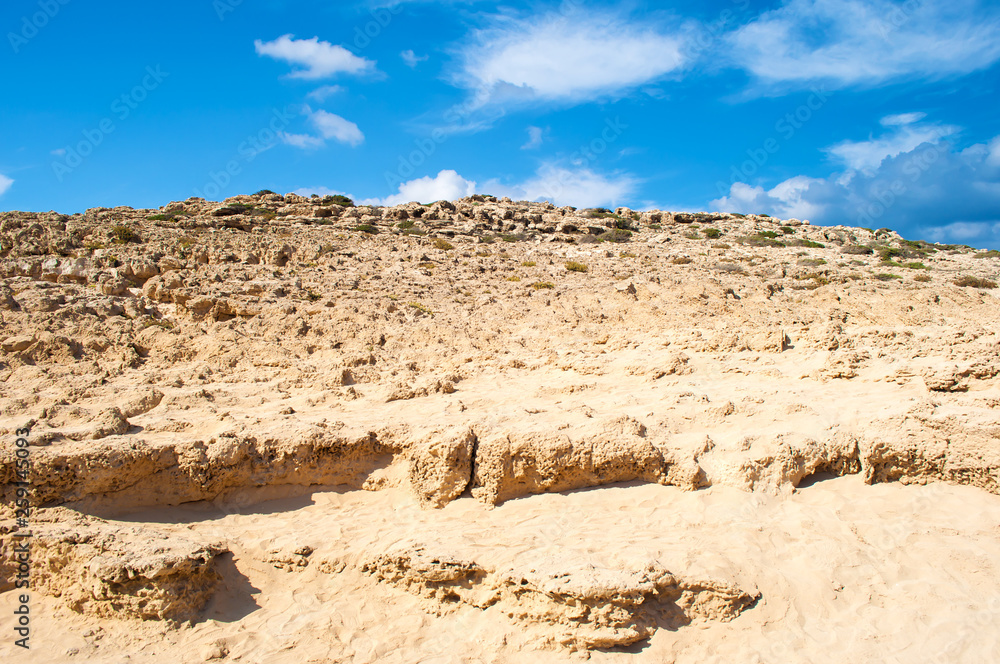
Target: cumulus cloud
<point>318,59</point>
<point>335,127</point>
<point>5,183</point>
<point>933,191</point>
<point>534,138</point>
<point>565,57</point>
<point>906,132</point>
<point>568,185</point>
<point>412,59</point>
<point>563,185</point>
<point>866,42</point>
<point>446,185</point>
<point>329,126</point>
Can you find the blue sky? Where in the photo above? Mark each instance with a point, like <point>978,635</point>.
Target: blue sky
<point>856,112</point>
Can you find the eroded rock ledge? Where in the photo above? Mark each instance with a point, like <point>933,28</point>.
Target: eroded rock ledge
<point>586,607</point>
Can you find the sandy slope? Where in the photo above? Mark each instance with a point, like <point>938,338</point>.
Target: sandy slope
<point>261,435</point>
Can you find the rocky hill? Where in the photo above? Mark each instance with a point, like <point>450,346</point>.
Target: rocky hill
<point>210,386</point>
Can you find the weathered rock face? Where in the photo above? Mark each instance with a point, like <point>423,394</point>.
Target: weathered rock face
<point>589,607</point>
<point>118,572</point>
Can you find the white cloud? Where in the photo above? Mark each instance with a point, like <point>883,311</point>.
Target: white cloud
<point>335,127</point>
<point>320,191</point>
<point>412,59</point>
<point>5,183</point>
<point>552,182</point>
<point>565,57</point>
<point>320,59</point>
<point>303,141</point>
<point>993,158</point>
<point>447,185</point>
<point>906,134</point>
<point>864,42</point>
<point>325,92</point>
<point>902,119</point>
<point>932,191</point>
<point>564,185</point>
<point>329,126</point>
<point>534,138</point>
<point>59,152</point>
<point>787,200</point>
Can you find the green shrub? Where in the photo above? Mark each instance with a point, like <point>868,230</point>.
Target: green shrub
<point>337,199</point>
<point>857,250</point>
<point>787,230</point>
<point>992,253</point>
<point>884,276</point>
<point>573,266</point>
<point>366,228</point>
<point>712,233</point>
<point>542,285</point>
<point>444,245</point>
<point>408,223</point>
<point>768,234</point>
<point>529,263</point>
<point>123,235</point>
<point>264,192</point>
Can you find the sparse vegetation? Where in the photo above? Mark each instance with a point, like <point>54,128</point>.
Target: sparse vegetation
<point>616,235</point>
<point>514,278</point>
<point>812,262</point>
<point>731,268</point>
<point>337,199</point>
<point>366,228</point>
<point>885,276</point>
<point>529,264</point>
<point>974,282</point>
<point>123,235</point>
<point>922,277</point>
<point>420,307</point>
<point>712,233</point>
<point>443,245</point>
<point>406,224</point>
<point>682,260</point>
<point>992,253</point>
<point>573,266</point>
<point>761,240</point>
<point>857,250</point>
<point>167,216</point>
<point>542,285</point>
<point>265,192</point>
<point>787,230</point>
